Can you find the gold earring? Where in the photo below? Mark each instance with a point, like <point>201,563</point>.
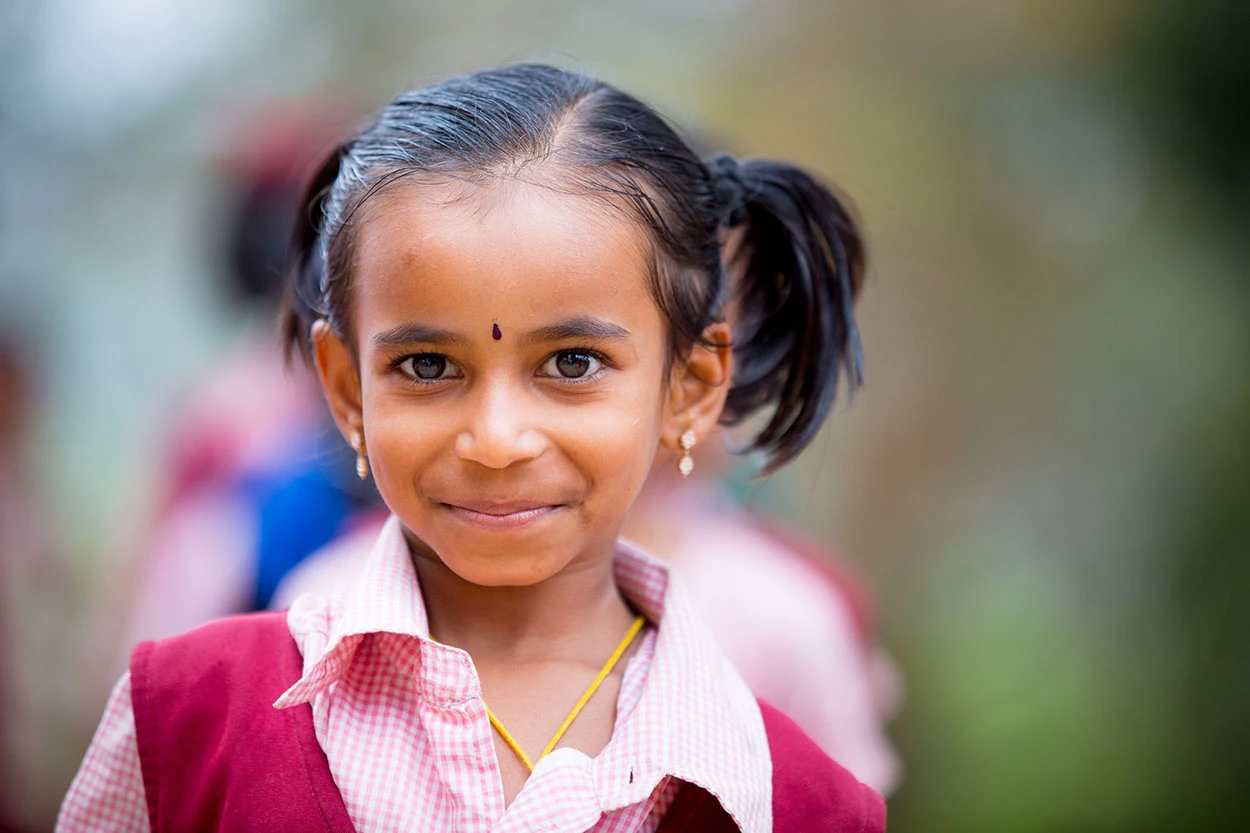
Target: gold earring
<point>686,464</point>
<point>362,458</point>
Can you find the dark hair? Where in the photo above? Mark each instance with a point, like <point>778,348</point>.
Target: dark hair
<point>797,272</point>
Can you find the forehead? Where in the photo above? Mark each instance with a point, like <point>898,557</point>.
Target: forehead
<point>512,244</point>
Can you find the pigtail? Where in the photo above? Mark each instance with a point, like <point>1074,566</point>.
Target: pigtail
<point>304,300</point>
<point>797,272</point>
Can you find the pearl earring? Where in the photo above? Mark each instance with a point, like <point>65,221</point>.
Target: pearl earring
<point>362,458</point>
<point>686,464</point>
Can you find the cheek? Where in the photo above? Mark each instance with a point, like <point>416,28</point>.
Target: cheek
<point>403,440</point>
<point>615,443</point>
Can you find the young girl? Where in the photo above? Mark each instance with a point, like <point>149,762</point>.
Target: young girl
<point>512,288</point>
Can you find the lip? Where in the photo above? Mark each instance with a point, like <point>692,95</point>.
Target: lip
<point>502,516</point>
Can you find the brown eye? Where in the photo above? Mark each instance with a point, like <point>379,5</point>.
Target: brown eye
<point>427,366</point>
<point>571,364</point>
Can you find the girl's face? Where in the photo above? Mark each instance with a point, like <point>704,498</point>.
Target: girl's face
<point>510,375</point>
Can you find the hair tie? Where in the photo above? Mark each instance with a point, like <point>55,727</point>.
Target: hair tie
<point>728,188</point>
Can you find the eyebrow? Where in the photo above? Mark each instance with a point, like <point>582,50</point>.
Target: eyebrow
<point>415,334</point>
<point>582,326</point>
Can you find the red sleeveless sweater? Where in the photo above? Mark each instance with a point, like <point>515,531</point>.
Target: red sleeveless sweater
<point>216,755</point>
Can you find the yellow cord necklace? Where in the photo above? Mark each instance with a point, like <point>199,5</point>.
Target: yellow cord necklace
<point>568,721</point>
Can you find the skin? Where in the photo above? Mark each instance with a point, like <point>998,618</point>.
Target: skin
<point>512,480</point>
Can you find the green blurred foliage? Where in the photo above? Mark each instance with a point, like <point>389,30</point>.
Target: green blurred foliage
<point>1187,71</point>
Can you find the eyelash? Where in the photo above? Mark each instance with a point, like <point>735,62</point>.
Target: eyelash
<point>416,381</point>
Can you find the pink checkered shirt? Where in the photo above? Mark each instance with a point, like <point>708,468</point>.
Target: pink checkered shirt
<point>421,756</point>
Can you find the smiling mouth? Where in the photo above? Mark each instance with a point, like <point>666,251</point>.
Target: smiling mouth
<point>502,516</point>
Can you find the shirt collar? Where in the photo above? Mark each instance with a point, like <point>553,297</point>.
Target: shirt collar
<point>696,719</point>
<point>385,599</point>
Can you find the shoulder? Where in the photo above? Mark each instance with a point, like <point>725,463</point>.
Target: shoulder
<point>246,657</point>
<point>218,644</point>
<point>214,751</point>
<point>810,790</point>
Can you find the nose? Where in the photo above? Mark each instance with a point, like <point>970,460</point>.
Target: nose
<point>502,428</point>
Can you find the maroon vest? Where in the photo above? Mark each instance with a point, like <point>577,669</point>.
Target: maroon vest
<point>217,756</point>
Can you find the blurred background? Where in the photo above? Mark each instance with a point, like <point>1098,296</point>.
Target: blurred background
<point>1045,482</point>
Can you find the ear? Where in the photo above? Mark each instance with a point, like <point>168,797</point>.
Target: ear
<point>697,388</point>
<point>340,378</point>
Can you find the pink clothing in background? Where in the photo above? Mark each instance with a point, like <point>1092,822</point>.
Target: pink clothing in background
<point>198,561</point>
<point>793,634</point>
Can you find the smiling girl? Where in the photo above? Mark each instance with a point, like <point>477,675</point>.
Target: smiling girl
<point>514,289</point>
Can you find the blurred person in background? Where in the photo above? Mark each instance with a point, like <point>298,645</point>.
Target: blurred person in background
<point>253,484</point>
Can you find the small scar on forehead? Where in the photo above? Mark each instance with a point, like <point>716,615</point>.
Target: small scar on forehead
<point>495,333</point>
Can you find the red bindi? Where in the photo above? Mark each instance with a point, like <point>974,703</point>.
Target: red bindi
<point>495,332</point>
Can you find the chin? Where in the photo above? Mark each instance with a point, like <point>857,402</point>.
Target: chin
<point>514,571</point>
<point>515,558</point>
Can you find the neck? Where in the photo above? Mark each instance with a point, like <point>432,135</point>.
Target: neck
<point>569,613</point>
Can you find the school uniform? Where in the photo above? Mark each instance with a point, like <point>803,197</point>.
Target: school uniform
<point>346,716</point>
